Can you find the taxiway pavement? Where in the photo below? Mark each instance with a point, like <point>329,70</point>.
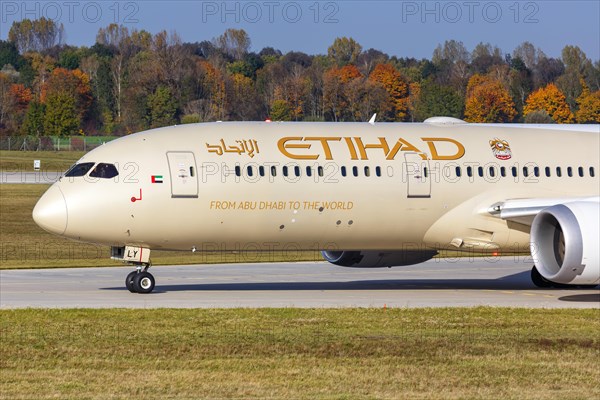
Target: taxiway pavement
<point>436,283</point>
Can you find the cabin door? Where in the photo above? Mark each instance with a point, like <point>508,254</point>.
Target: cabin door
<point>417,175</point>
<point>184,174</point>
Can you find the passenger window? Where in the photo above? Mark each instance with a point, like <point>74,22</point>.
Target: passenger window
<point>308,171</point>
<point>238,170</point>
<point>536,171</point>
<point>515,171</point>
<point>548,172</point>
<point>525,172</point>
<point>321,171</point>
<point>355,171</point>
<point>261,170</point>
<point>480,171</point>
<point>492,172</point>
<point>343,171</point>
<point>592,172</point>
<point>558,172</point>
<point>297,170</point>
<point>570,172</point>
<point>503,172</point>
<point>425,172</point>
<point>378,171</point>
<point>285,171</point>
<point>367,171</point>
<point>104,171</point>
<point>470,172</point>
<point>79,170</point>
<point>580,171</point>
<point>273,171</point>
<point>458,172</point>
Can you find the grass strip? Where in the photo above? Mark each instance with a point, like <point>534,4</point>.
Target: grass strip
<point>11,161</point>
<point>300,354</point>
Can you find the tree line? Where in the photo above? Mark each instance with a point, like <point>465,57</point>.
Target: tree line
<point>131,80</point>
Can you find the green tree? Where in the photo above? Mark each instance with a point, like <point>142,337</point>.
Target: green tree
<point>61,117</point>
<point>435,100</point>
<point>280,111</point>
<point>162,108</point>
<point>9,55</point>
<point>344,51</point>
<point>34,119</point>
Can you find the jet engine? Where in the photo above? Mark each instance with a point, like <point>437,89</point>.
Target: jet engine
<point>564,243</point>
<point>377,259</point>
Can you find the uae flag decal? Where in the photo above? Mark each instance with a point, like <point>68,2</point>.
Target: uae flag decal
<point>157,179</point>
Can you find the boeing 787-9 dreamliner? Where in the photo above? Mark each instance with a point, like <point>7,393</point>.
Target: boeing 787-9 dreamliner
<point>365,194</point>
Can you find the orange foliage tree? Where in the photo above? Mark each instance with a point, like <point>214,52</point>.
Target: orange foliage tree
<point>214,84</point>
<point>336,86</point>
<point>396,87</point>
<point>75,84</point>
<point>589,106</point>
<point>551,100</point>
<point>488,101</point>
<point>22,96</point>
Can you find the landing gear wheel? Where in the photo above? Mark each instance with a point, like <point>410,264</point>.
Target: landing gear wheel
<point>129,281</point>
<point>143,282</point>
<point>539,281</point>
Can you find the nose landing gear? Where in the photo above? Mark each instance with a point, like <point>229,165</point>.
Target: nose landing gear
<point>140,281</point>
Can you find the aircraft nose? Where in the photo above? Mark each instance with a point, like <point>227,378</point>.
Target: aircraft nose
<point>50,212</point>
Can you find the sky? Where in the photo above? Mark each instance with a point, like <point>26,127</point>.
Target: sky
<point>400,28</point>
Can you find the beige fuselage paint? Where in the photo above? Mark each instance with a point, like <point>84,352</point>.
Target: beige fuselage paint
<point>178,189</point>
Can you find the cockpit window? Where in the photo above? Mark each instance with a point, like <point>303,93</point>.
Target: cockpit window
<point>79,169</point>
<point>105,171</point>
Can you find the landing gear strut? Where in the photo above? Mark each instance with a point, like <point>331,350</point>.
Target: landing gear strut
<point>140,280</point>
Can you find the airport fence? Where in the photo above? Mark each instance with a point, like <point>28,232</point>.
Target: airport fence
<point>53,143</point>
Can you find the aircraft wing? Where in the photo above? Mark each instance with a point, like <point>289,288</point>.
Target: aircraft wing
<point>523,211</point>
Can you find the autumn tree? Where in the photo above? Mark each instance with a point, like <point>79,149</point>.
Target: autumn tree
<point>488,101</point>
<point>242,99</point>
<point>395,86</point>
<point>551,100</point>
<point>6,100</point>
<point>75,84</point>
<point>335,91</point>
<point>37,35</point>
<point>235,43</point>
<point>589,106</point>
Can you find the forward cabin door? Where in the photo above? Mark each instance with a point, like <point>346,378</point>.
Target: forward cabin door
<point>184,175</point>
<point>417,175</point>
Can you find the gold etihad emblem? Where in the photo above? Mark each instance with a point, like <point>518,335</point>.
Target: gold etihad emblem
<point>248,147</point>
<point>312,148</point>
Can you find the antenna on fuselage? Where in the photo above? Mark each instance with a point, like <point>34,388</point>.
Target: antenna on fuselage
<point>372,120</point>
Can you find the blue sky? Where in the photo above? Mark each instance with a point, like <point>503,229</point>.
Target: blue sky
<point>401,28</point>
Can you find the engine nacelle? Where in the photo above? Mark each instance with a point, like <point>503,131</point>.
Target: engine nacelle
<point>564,243</point>
<point>377,259</point>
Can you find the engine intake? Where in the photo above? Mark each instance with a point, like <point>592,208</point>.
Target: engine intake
<point>377,259</point>
<point>564,243</point>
